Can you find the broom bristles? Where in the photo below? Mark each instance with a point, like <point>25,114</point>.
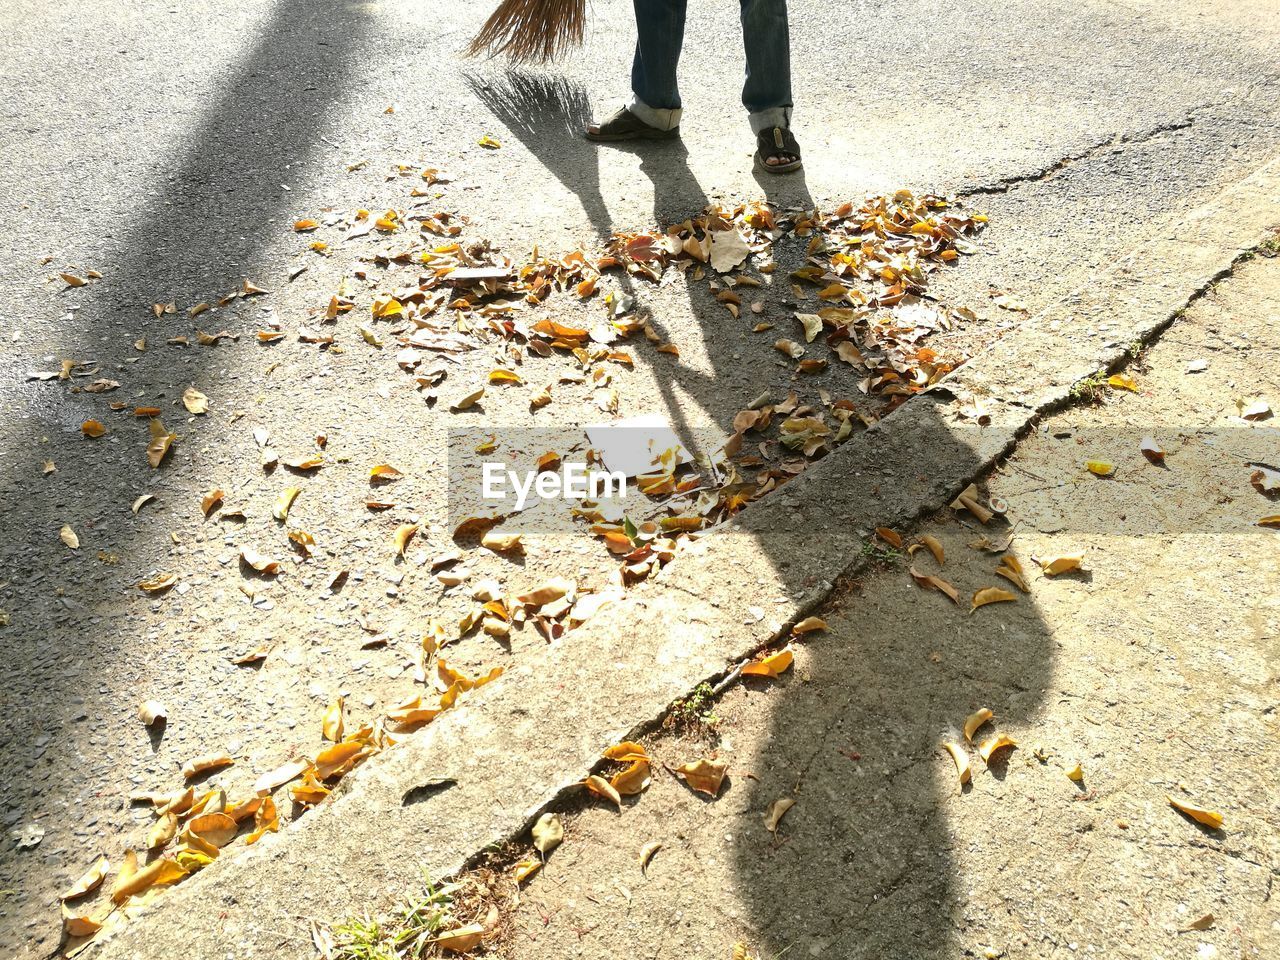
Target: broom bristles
<point>531,31</point>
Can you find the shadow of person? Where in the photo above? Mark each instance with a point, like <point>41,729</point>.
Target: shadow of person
<point>216,205</point>
<point>865,865</point>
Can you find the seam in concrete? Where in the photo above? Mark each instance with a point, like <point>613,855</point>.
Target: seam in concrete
<point>510,757</point>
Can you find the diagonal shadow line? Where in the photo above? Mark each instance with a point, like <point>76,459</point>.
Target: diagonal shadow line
<point>195,238</point>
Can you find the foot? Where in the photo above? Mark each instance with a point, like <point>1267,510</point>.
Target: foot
<point>625,125</point>
<point>777,150</point>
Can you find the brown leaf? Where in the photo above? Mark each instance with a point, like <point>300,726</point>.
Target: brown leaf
<point>703,775</point>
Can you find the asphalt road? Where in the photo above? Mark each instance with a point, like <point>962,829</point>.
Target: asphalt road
<point>170,146</point>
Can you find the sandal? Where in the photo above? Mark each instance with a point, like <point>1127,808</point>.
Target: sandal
<point>625,125</point>
<point>777,142</point>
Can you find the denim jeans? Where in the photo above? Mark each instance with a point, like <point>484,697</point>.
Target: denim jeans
<point>767,91</point>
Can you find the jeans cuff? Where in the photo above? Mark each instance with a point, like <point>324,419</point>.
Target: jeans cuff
<point>768,119</point>
<point>667,119</point>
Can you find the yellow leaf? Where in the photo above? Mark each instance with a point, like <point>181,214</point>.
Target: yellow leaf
<point>152,711</point>
<point>1122,381</point>
<point>155,874</point>
<point>990,595</point>
<point>1052,566</point>
<point>603,788</point>
<point>305,542</point>
<point>647,853</point>
<point>467,938</point>
<point>635,779</point>
<point>526,869</point>
<point>468,401</point>
<point>992,744</point>
<point>500,375</point>
<point>489,143</point>
<point>211,500</point>
<point>703,775</point>
<point>930,582</point>
<point>71,280</point>
<point>976,720</point>
<point>303,226</point>
<point>1271,521</point>
<point>626,751</point>
<point>89,880</point>
<point>1012,571</point>
<point>161,581</point>
<point>311,461</point>
<point>92,428</point>
<point>310,790</point>
<point>161,439</point>
<point>259,561</point>
<point>545,593</point>
<point>400,539</point>
<point>1210,818</point>
<point>215,828</point>
<point>284,501</point>
<point>205,763</point>
<point>1075,774</point>
<point>81,924</point>
<point>331,723</point>
<point>68,536</point>
<point>384,471</point>
<point>961,761</point>
<point>1100,468</point>
<point>195,401</point>
<point>548,832</point>
<point>809,625</point>
<point>265,819</point>
<point>771,666</point>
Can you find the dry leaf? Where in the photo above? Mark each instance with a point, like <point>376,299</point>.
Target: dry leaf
<point>75,925</point>
<point>274,779</point>
<point>468,401</point>
<point>161,581</point>
<point>1122,381</point>
<point>195,401</point>
<point>1012,571</point>
<point>161,440</point>
<point>465,938</point>
<point>1052,566</point>
<point>626,752</point>
<point>284,501</point>
<point>89,880</point>
<point>1075,774</point>
<point>525,869</point>
<point>772,665</point>
<point>1152,450</point>
<point>138,503</point>
<point>635,779</point>
<point>155,874</point>
<point>976,720</point>
<point>934,547</point>
<point>1210,818</point>
<point>1201,923</point>
<point>68,536</point>
<point>265,819</point>
<point>92,428</point>
<point>1272,521</point>
<point>259,561</point>
<point>961,761</point>
<point>203,764</point>
<point>548,832</point>
<point>384,472</point>
<point>992,744</point>
<point>808,625</point>
<point>776,811</point>
<point>546,592</point>
<point>152,711</point>
<point>500,541</point>
<point>312,461</point>
<point>215,828</point>
<point>990,595</point>
<point>400,539</point>
<point>647,853</point>
<point>331,723</point>
<point>703,775</point>
<point>930,582</point>
<point>1100,468</point>
<point>603,788</point>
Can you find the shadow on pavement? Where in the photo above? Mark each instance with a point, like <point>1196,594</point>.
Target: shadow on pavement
<point>867,869</point>
<point>195,240</point>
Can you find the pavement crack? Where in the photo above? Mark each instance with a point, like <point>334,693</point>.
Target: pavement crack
<point>425,791</point>
<point>1048,172</point>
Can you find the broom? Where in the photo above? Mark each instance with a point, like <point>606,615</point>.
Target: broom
<point>532,31</point>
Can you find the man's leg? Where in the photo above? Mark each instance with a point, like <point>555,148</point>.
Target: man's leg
<point>660,34</point>
<point>767,91</point>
